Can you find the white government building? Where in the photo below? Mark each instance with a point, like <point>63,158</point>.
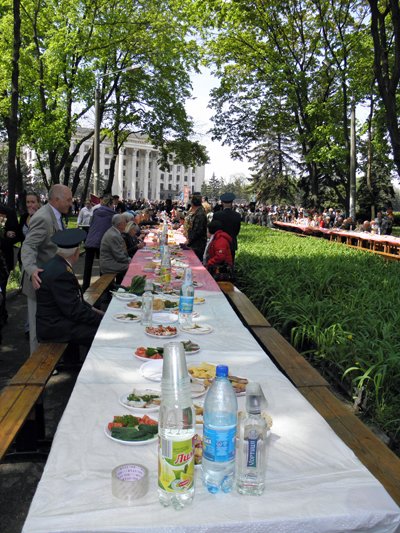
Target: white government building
<point>137,174</point>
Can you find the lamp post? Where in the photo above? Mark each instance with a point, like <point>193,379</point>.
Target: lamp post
<point>96,147</point>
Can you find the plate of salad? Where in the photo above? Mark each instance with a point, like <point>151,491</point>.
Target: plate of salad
<point>132,430</point>
<point>149,352</point>
<point>141,400</point>
<point>126,317</point>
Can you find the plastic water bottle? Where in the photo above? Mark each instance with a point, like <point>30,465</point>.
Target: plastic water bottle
<point>220,419</point>
<point>176,428</point>
<point>252,444</point>
<point>186,299</point>
<point>147,304</point>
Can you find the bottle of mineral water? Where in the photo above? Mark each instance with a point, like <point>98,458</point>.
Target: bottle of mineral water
<point>147,304</point>
<point>220,419</point>
<point>252,444</point>
<point>186,299</point>
<point>176,428</point>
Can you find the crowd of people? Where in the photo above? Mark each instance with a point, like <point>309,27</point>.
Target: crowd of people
<point>112,231</point>
<point>320,218</point>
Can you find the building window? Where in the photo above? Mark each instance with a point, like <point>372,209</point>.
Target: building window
<point>124,173</point>
<point>178,168</point>
<point>178,178</point>
<point>170,187</point>
<point>124,162</point>
<point>170,178</point>
<point>161,186</point>
<point>107,150</point>
<point>106,171</point>
<point>137,173</point>
<point>137,164</point>
<point>162,176</point>
<point>107,161</point>
<point>125,151</point>
<point>185,179</point>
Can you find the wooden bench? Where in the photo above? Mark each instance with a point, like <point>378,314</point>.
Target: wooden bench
<point>369,449</point>
<point>20,400</point>
<point>96,290</point>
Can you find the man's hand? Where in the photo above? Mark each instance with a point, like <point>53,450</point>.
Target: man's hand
<point>35,278</point>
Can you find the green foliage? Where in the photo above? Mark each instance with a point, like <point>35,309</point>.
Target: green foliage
<point>337,305</point>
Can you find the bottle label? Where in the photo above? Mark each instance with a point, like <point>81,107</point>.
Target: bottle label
<point>252,452</point>
<point>175,465</point>
<point>165,274</point>
<point>186,304</point>
<point>219,444</point>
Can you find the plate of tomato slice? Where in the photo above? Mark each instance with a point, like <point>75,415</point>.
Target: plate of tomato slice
<point>132,430</point>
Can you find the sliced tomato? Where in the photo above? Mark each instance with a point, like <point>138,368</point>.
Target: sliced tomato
<point>147,420</point>
<point>141,351</point>
<point>115,425</point>
<point>156,356</point>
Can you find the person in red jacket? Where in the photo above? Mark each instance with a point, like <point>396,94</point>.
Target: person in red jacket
<point>218,255</point>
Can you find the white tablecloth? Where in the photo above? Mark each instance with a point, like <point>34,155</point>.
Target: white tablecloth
<point>314,481</point>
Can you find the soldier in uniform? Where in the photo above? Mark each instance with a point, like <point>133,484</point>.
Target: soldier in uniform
<point>62,315</point>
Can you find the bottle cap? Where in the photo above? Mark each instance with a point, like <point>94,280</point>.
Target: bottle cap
<point>255,399</point>
<point>221,371</point>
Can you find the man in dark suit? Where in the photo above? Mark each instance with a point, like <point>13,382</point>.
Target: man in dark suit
<point>230,219</point>
<point>62,315</point>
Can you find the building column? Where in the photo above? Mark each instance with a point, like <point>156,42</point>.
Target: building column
<point>146,175</point>
<point>117,187</point>
<point>132,176</point>
<point>154,176</point>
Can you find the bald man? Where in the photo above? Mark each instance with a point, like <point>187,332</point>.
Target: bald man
<point>38,248</point>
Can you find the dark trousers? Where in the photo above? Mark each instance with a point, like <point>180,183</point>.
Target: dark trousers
<point>90,254</point>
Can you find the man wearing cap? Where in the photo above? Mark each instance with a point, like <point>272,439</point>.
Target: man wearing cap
<point>38,248</point>
<point>62,314</point>
<point>230,219</point>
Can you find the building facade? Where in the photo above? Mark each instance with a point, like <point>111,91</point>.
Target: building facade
<point>137,174</point>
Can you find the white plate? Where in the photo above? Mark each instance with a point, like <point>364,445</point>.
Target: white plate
<point>121,317</point>
<point>195,314</point>
<point>197,329</point>
<point>162,336</point>
<point>134,310</point>
<point>197,389</point>
<point>198,284</point>
<point>152,370</point>
<point>123,400</point>
<point>126,296</point>
<point>129,442</point>
<point>164,318</point>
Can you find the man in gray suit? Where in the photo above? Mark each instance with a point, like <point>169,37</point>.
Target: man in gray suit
<point>38,247</point>
<point>114,256</point>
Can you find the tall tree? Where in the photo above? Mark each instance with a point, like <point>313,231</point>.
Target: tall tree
<point>385,30</point>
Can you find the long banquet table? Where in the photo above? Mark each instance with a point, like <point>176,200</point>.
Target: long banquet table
<point>314,481</point>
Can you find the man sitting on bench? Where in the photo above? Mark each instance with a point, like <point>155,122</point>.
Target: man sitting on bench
<point>62,315</point>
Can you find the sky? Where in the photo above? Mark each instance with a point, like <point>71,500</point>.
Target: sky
<point>220,161</point>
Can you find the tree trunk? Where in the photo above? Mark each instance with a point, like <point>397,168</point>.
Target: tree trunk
<point>12,122</point>
<point>387,68</point>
